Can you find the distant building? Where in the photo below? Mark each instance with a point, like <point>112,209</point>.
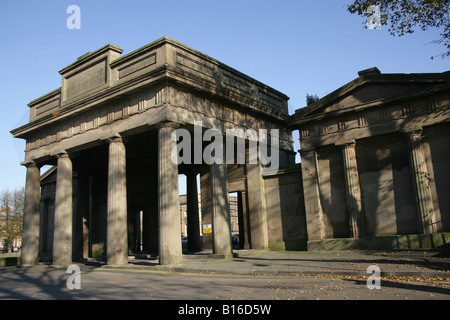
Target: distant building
<point>233,214</point>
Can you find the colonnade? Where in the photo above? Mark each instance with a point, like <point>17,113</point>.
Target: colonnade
<point>170,246</point>
<point>419,180</point>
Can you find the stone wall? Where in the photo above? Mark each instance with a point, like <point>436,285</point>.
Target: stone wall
<point>285,210</point>
<point>437,146</point>
<point>387,195</point>
<point>375,159</point>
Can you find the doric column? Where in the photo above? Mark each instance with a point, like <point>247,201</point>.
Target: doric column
<point>420,181</point>
<point>352,189</point>
<point>205,191</point>
<point>62,229</point>
<point>170,251</point>
<point>220,209</point>
<point>30,232</point>
<point>116,228</point>
<point>81,220</point>
<point>257,207</point>
<point>313,208</point>
<point>193,223</point>
<point>244,229</point>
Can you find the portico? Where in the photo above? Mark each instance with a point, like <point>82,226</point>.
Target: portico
<point>374,157</point>
<point>108,132</point>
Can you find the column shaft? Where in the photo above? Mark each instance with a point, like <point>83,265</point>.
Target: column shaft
<point>205,190</point>
<point>257,208</point>
<point>116,232</point>
<point>352,190</point>
<point>81,229</point>
<point>420,180</point>
<point>170,250</point>
<point>244,228</point>
<point>62,236</point>
<point>220,208</point>
<point>313,208</point>
<point>193,223</point>
<point>30,232</point>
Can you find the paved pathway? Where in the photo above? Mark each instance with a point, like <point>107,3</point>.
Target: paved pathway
<point>262,275</point>
<point>353,263</point>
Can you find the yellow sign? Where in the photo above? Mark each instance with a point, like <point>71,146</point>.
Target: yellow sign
<point>207,228</point>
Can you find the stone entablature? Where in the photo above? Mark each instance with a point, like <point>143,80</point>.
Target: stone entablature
<point>400,102</point>
<point>201,71</point>
<point>158,82</point>
<point>45,105</point>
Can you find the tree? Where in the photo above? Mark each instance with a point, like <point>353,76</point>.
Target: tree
<point>311,98</point>
<point>11,215</point>
<point>404,16</point>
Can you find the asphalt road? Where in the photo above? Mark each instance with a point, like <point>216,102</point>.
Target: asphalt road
<point>97,284</point>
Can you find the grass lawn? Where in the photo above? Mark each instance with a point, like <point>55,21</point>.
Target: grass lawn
<point>8,255</point>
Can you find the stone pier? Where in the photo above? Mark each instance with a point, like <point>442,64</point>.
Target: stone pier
<point>62,230</point>
<point>170,251</point>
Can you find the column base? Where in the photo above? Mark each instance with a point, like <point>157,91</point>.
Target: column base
<point>227,256</point>
<point>391,242</point>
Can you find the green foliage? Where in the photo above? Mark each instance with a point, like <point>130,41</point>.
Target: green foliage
<point>403,16</point>
<point>311,98</point>
<point>11,215</point>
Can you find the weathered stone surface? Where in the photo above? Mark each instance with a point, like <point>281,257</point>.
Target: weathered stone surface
<point>117,180</point>
<point>360,176</point>
<point>62,232</point>
<point>116,240</point>
<point>388,177</point>
<point>170,251</point>
<point>30,233</point>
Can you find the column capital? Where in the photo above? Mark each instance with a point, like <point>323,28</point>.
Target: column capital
<point>306,151</point>
<point>167,124</point>
<point>60,154</point>
<point>414,137</point>
<point>412,130</point>
<point>116,138</point>
<point>346,144</point>
<point>29,164</point>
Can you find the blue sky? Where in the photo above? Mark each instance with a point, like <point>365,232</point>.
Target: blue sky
<point>295,46</point>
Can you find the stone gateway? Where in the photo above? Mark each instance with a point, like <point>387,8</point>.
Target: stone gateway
<point>108,133</point>
<point>374,168</point>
